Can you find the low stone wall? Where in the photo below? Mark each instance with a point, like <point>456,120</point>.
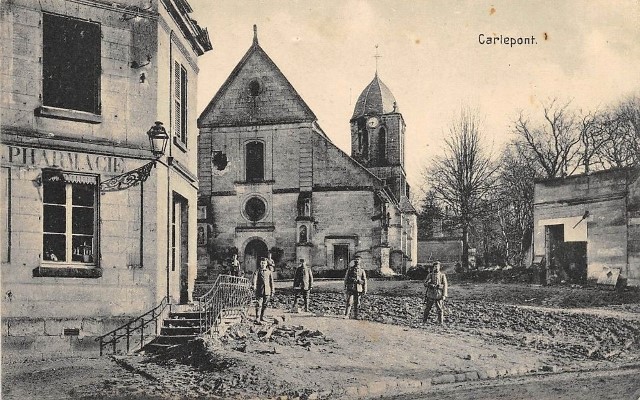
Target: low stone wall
<point>56,334</point>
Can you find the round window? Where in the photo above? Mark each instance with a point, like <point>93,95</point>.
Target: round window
<point>255,209</point>
<point>254,88</point>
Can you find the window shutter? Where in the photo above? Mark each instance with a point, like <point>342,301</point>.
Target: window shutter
<point>177,96</point>
<point>183,104</point>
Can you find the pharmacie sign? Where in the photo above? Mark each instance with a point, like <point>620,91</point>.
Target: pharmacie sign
<point>67,160</point>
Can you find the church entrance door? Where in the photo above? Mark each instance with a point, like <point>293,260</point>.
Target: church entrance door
<point>252,253</point>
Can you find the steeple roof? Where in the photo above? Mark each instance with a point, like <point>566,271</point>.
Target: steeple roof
<point>376,98</point>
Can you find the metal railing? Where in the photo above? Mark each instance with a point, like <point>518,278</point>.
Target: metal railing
<point>230,295</point>
<point>134,329</point>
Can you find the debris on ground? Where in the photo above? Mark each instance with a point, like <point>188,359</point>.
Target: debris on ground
<point>574,336</point>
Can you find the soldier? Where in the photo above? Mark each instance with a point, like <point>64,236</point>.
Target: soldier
<point>235,266</point>
<point>436,284</point>
<point>355,284</point>
<point>263,288</point>
<point>270,263</point>
<point>302,283</point>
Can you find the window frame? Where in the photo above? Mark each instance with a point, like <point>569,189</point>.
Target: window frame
<point>57,104</point>
<point>68,233</point>
<point>248,167</point>
<point>247,214</point>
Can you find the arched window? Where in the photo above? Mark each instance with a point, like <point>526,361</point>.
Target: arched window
<point>255,161</point>
<point>382,147</point>
<point>364,143</point>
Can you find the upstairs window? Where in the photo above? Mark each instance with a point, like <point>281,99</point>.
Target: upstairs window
<point>71,63</point>
<point>180,96</point>
<point>69,217</point>
<point>255,161</point>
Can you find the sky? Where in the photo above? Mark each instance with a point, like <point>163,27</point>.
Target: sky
<point>431,59</point>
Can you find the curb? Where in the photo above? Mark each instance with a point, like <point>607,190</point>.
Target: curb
<point>401,386</point>
<point>380,387</point>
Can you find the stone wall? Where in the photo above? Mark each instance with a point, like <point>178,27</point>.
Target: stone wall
<point>594,209</point>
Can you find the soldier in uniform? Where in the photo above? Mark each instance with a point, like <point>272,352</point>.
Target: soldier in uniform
<point>302,283</point>
<point>355,284</point>
<point>436,284</point>
<point>234,266</point>
<point>263,288</point>
<point>270,263</point>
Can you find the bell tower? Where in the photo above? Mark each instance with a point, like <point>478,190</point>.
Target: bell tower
<point>377,135</point>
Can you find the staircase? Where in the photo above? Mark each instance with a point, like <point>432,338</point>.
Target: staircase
<point>178,328</point>
<point>212,313</point>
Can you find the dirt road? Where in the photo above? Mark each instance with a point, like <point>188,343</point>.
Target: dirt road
<point>489,327</point>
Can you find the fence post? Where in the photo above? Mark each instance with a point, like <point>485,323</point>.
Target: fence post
<point>128,336</point>
<point>155,321</point>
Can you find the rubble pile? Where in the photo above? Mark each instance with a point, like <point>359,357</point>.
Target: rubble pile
<point>247,337</point>
<point>575,336</point>
<point>211,367</point>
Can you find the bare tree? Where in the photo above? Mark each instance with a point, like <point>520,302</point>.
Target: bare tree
<point>514,203</point>
<point>463,176</point>
<point>620,128</point>
<point>554,143</point>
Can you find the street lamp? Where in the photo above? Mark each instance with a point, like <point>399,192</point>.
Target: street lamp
<point>158,138</point>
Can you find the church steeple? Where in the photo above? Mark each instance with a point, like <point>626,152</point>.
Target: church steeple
<point>377,134</point>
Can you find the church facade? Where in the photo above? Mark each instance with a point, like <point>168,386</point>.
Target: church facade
<point>272,180</point>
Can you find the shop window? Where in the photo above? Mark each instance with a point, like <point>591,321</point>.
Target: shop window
<point>69,218</point>
<point>71,63</point>
<point>255,161</point>
<point>180,96</point>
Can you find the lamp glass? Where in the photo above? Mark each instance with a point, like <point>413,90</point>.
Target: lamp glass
<point>158,138</point>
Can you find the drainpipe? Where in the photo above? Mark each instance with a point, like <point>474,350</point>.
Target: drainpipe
<point>169,158</point>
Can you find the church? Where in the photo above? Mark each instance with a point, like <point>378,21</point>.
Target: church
<point>271,180</point>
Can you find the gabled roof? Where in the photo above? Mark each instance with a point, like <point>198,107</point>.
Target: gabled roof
<point>405,206</point>
<point>376,98</point>
<point>277,101</point>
